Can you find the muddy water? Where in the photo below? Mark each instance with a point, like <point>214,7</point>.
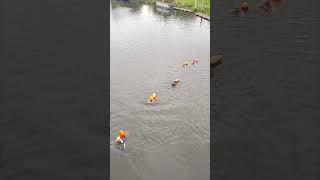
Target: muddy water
<point>170,139</point>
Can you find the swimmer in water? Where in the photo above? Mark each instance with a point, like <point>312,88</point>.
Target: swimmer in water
<point>241,11</point>
<point>185,64</point>
<point>175,82</point>
<point>121,139</point>
<point>267,5</point>
<point>194,61</point>
<point>152,98</point>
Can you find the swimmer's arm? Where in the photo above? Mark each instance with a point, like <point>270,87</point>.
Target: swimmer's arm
<point>118,139</point>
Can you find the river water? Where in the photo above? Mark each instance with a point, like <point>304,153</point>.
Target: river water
<point>170,139</point>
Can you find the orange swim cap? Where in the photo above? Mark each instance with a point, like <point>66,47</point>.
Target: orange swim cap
<point>122,134</point>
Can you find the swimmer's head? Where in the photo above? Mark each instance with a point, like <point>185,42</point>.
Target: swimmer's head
<point>122,134</point>
<point>267,3</point>
<point>244,6</point>
<point>276,2</point>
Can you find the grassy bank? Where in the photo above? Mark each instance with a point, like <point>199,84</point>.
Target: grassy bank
<point>190,4</point>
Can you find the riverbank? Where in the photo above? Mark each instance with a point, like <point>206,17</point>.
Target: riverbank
<point>197,7</point>
<point>188,4</point>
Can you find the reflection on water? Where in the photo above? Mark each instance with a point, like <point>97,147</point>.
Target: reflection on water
<point>170,139</point>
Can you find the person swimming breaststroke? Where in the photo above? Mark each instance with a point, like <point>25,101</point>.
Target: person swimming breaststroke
<point>267,5</point>
<point>152,98</point>
<point>194,61</point>
<point>121,139</point>
<point>175,82</point>
<point>244,7</point>
<point>242,10</point>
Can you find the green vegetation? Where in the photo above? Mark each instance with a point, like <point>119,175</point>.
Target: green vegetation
<point>150,1</point>
<point>190,4</point>
<point>134,5</point>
